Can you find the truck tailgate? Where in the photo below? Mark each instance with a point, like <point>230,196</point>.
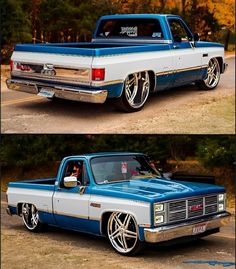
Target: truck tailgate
<point>57,67</point>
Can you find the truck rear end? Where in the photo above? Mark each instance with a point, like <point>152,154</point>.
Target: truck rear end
<point>55,71</point>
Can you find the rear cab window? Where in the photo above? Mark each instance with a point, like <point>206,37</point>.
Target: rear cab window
<point>130,28</point>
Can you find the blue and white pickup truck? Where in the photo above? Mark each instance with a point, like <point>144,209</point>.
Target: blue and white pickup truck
<point>120,196</point>
<point>130,56</point>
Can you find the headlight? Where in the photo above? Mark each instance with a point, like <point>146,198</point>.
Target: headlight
<point>159,213</point>
<point>221,197</point>
<point>159,207</point>
<point>221,207</point>
<point>159,219</point>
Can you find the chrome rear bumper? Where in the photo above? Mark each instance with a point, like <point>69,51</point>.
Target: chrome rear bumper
<point>63,92</point>
<point>166,233</point>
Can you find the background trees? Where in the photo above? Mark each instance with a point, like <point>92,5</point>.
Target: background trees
<point>29,21</point>
<point>29,151</point>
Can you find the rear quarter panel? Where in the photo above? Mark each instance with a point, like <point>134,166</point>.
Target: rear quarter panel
<point>40,196</point>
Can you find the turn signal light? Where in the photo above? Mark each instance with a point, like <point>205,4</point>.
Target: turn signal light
<point>98,74</point>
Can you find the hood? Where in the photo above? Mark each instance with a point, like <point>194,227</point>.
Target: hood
<point>155,189</point>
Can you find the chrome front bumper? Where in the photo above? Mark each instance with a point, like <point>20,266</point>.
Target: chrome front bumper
<point>63,92</point>
<point>166,233</point>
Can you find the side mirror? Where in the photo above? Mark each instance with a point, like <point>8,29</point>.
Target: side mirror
<point>196,37</point>
<point>70,182</point>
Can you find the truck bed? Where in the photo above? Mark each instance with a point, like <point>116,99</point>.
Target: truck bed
<point>45,183</point>
<point>92,49</point>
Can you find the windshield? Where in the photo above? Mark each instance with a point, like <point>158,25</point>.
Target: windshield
<point>130,28</point>
<point>122,168</point>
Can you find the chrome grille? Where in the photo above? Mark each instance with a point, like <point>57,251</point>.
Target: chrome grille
<point>176,206</point>
<point>210,200</point>
<point>211,209</point>
<point>192,207</point>
<point>177,215</point>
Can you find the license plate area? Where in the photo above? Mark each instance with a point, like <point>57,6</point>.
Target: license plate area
<point>46,92</point>
<point>199,228</point>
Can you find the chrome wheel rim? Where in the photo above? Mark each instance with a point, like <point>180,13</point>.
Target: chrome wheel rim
<point>213,74</point>
<point>122,232</point>
<point>137,88</point>
<point>30,216</point>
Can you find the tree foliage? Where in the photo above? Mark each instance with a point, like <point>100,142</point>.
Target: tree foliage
<point>33,150</point>
<point>74,20</point>
<point>216,151</point>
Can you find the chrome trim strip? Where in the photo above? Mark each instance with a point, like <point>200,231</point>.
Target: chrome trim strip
<point>165,233</point>
<point>54,78</point>
<point>180,70</point>
<point>70,215</point>
<point>190,197</point>
<point>121,40</point>
<point>69,93</point>
<point>112,82</point>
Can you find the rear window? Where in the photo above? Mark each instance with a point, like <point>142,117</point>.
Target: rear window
<point>130,28</point>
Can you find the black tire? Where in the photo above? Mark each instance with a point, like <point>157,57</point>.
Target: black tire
<point>135,92</point>
<point>122,232</point>
<point>213,76</point>
<point>30,218</point>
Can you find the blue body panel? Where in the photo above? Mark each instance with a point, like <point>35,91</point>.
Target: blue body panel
<point>154,189</point>
<point>91,52</point>
<point>13,210</point>
<point>79,224</point>
<point>99,52</point>
<point>32,184</point>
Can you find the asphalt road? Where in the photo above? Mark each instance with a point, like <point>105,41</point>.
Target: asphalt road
<point>182,110</point>
<point>56,248</point>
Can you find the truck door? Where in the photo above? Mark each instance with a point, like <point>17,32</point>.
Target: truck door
<point>70,204</point>
<point>187,59</point>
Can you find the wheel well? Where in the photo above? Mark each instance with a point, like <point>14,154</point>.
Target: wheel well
<point>220,61</point>
<point>105,218</point>
<point>152,81</point>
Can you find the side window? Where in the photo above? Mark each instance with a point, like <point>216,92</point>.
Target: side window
<point>179,32</point>
<point>77,169</point>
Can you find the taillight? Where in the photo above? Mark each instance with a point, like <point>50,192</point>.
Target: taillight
<point>20,67</point>
<point>98,74</point>
<point>23,67</point>
<point>11,65</point>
